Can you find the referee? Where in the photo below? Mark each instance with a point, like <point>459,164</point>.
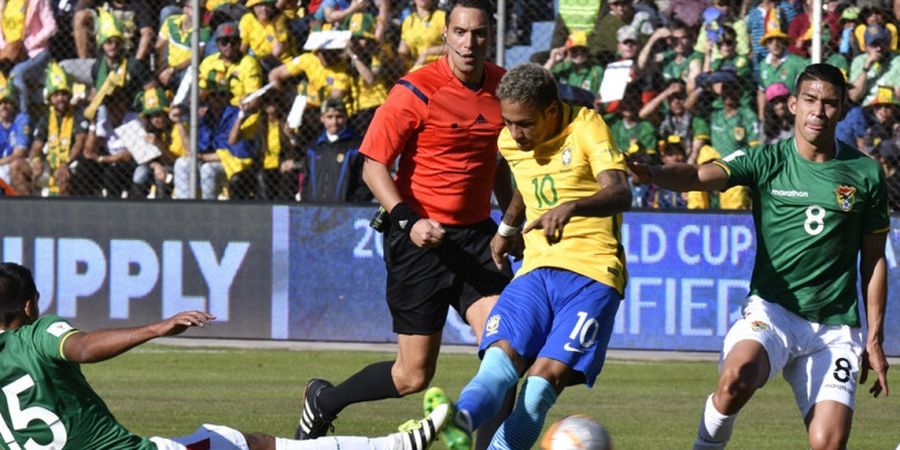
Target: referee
<point>442,121</point>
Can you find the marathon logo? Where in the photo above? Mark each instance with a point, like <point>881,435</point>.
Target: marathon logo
<point>790,193</point>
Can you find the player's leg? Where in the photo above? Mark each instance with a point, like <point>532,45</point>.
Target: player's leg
<point>482,282</point>
<point>418,289</point>
<point>573,352</point>
<point>515,328</point>
<point>755,349</point>
<point>414,435</point>
<point>824,382</point>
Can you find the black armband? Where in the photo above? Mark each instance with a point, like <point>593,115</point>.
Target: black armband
<point>403,217</point>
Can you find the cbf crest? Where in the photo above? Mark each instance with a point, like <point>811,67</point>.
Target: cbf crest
<point>493,325</point>
<point>845,197</point>
<point>566,156</point>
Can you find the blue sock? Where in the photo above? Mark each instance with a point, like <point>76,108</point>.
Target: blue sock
<point>482,397</point>
<point>523,426</point>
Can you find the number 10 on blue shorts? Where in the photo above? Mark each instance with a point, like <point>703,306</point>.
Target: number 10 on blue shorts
<point>557,314</point>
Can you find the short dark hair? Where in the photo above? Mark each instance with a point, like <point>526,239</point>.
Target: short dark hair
<point>486,6</point>
<point>16,288</point>
<point>529,84</point>
<point>823,72</point>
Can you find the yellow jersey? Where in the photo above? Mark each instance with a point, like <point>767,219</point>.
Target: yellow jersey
<point>562,169</point>
<point>421,33</point>
<point>244,77</point>
<point>260,37</point>
<point>321,80</point>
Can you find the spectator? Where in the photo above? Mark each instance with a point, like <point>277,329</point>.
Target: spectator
<point>762,20</point>
<point>672,151</point>
<point>730,60</point>
<point>883,124</point>
<point>635,137</point>
<point>716,19</point>
<point>277,178</point>
<point>240,71</point>
<point>217,118</point>
<point>240,158</point>
<point>137,26</point>
<point>876,67</point>
<point>154,105</point>
<point>677,120</point>
<point>848,45</point>
<point>264,34</point>
<point>327,76</point>
<point>173,45</point>
<point>109,166</point>
<point>573,16</point>
<point>334,12</point>
<point>643,83</point>
<point>571,64</point>
<point>24,43</point>
<point>130,73</point>
<point>731,128</point>
<point>800,30</point>
<point>371,64</point>
<point>58,140</point>
<point>874,17</point>
<point>604,38</point>
<point>779,122</point>
<point>675,60</point>
<point>420,35</point>
<point>778,66</point>
<point>15,137</point>
<point>334,164</point>
<point>887,153</point>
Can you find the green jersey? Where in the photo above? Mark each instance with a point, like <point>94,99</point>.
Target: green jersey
<point>810,219</point>
<point>784,70</point>
<point>729,133</point>
<point>47,400</point>
<point>672,69</point>
<point>586,77</point>
<point>639,138</point>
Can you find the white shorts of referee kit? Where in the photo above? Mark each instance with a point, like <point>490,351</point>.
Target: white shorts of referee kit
<point>820,362</point>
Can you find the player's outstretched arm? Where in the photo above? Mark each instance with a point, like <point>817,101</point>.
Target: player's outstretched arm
<point>613,197</point>
<point>101,345</point>
<point>680,177</point>
<point>873,271</point>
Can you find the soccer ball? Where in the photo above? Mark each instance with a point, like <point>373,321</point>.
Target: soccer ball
<point>576,433</point>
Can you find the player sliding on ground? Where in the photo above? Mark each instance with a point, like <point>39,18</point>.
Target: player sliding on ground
<point>559,310</point>
<point>48,404</point>
<point>817,204</point>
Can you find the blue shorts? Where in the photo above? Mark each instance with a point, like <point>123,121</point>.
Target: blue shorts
<point>557,314</point>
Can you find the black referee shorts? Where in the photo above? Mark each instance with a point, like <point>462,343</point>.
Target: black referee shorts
<point>423,282</point>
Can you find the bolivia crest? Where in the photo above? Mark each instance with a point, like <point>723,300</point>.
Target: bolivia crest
<point>845,196</point>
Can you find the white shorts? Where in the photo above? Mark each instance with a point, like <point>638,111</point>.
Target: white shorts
<point>207,437</point>
<point>820,362</point>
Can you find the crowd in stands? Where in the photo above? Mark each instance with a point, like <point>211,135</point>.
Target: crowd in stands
<point>685,80</point>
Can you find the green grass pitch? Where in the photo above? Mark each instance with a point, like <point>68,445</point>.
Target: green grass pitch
<point>169,391</point>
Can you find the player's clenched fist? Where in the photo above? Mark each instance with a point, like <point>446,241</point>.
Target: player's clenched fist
<point>426,233</point>
<point>502,247</point>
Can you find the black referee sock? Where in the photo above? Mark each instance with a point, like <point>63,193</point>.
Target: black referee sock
<point>372,383</point>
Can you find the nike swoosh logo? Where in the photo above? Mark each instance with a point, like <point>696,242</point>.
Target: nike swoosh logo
<point>568,347</point>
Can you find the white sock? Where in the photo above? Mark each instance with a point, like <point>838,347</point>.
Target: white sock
<point>391,442</point>
<point>715,428</point>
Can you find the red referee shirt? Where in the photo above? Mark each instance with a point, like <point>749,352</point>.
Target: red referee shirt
<point>447,136</point>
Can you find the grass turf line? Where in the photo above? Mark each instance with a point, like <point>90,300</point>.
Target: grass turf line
<point>168,391</point>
